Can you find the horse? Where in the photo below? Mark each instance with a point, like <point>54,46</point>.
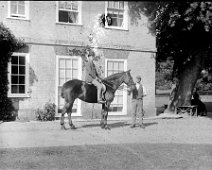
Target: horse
<point>76,88</point>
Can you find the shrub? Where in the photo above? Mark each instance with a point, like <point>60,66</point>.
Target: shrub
<point>47,113</point>
<point>8,44</point>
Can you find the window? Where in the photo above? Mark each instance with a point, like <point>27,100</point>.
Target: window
<point>18,75</point>
<point>117,11</point>
<point>68,68</point>
<point>18,9</point>
<point>69,12</point>
<point>118,106</point>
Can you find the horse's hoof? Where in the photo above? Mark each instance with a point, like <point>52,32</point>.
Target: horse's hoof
<point>142,126</point>
<point>73,127</point>
<point>107,127</point>
<point>63,128</point>
<point>102,126</point>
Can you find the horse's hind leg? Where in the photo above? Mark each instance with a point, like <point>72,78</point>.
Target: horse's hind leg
<point>69,116</point>
<point>65,109</point>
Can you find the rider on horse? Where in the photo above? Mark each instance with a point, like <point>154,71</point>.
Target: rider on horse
<point>92,76</point>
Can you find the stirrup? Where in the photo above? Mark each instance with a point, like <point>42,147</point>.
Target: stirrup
<point>101,101</point>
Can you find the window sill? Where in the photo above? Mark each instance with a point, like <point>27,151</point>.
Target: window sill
<point>69,24</point>
<point>19,96</point>
<point>117,28</point>
<point>17,18</point>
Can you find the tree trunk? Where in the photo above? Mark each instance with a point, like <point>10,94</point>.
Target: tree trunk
<point>187,79</point>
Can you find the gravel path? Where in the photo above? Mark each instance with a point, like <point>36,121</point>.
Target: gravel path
<point>165,144</point>
<point>43,134</point>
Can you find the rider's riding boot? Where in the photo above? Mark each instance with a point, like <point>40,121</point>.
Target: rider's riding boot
<point>100,96</point>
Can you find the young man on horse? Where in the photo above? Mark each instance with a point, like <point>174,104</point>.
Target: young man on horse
<point>92,76</point>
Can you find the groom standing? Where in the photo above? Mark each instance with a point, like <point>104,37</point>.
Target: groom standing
<point>137,102</point>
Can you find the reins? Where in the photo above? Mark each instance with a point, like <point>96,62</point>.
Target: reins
<point>114,84</point>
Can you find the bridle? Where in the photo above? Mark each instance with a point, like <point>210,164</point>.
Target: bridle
<point>128,85</point>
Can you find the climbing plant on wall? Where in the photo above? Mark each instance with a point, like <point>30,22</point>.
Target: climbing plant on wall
<point>82,52</point>
<point>8,44</point>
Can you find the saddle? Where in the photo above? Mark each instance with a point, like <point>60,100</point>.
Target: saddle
<point>103,89</point>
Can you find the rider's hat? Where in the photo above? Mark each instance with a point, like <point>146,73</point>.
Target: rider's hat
<point>91,53</point>
<point>138,77</point>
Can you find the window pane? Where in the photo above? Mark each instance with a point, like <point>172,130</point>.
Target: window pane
<point>75,63</point>
<point>114,22</point>
<point>21,79</point>
<point>21,89</point>
<point>63,16</point>
<point>75,74</point>
<point>62,63</point>
<point>110,4</point>
<point>21,60</point>
<point>61,81</point>
<point>14,80</point>
<point>61,73</point>
<point>69,74</point>
<point>120,22</point>
<point>110,65</point>
<point>14,69</point>
<point>21,69</point>
<point>115,66</point>
<point>73,17</point>
<point>68,5</point>
<point>121,4</point>
<point>68,63</point>
<point>14,89</point>
<point>115,4</point>
<point>121,66</point>
<point>14,59</point>
<point>21,10</point>
<point>61,4</point>
<point>13,8</point>
<point>120,15</point>
<point>21,3</point>
<point>109,73</point>
<point>75,6</point>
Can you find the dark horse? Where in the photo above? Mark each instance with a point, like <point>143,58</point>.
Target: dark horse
<point>75,88</point>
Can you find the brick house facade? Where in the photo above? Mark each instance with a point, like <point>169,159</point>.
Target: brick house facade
<point>51,29</point>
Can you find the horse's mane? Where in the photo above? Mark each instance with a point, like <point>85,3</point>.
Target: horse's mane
<point>110,79</point>
<point>113,76</point>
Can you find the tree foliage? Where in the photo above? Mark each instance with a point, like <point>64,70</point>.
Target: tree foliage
<point>183,33</point>
<point>8,44</point>
<point>182,29</point>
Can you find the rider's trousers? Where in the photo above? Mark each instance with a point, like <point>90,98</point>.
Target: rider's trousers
<point>99,89</point>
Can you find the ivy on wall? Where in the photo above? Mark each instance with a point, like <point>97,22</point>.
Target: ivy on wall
<point>8,44</point>
<point>83,53</point>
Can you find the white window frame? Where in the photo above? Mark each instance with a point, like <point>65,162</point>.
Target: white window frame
<point>17,16</point>
<point>26,94</point>
<point>124,110</point>
<point>79,10</point>
<point>125,19</point>
<point>79,112</point>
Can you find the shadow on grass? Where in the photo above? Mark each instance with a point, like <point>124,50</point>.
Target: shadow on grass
<point>116,124</point>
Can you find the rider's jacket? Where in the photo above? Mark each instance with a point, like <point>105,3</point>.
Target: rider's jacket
<point>91,72</point>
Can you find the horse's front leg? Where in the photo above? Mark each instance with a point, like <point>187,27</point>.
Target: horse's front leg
<point>102,116</point>
<point>105,116</point>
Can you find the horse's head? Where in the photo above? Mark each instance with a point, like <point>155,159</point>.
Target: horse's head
<point>128,80</point>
